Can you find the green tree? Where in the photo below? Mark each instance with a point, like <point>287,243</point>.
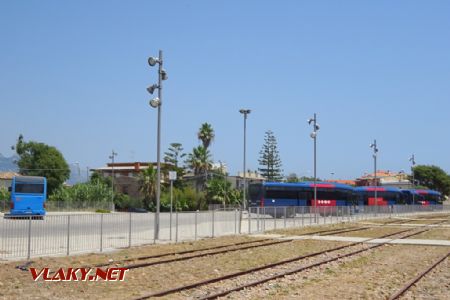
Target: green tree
<point>172,158</point>
<point>98,178</point>
<point>269,161</point>
<point>433,177</point>
<point>206,134</point>
<point>5,196</point>
<point>39,159</point>
<point>219,190</point>
<point>199,161</point>
<point>147,186</point>
<point>174,154</point>
<point>183,199</point>
<point>292,178</point>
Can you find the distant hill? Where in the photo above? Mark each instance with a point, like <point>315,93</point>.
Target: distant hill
<point>8,163</point>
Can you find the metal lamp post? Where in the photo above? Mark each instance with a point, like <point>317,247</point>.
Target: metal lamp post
<point>413,163</point>
<point>314,137</point>
<point>157,103</point>
<point>111,157</point>
<point>375,151</point>
<point>245,112</point>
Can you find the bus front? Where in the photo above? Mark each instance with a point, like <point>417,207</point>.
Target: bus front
<point>28,195</point>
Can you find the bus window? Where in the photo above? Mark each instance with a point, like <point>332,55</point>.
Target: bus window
<point>24,188</point>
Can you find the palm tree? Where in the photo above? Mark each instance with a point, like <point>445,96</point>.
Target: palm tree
<point>206,134</point>
<point>199,161</point>
<point>147,185</point>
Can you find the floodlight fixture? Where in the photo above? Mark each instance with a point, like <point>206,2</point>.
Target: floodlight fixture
<point>155,102</point>
<point>151,89</point>
<point>152,61</point>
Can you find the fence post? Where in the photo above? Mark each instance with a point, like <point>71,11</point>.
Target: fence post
<point>235,221</point>
<point>285,216</point>
<point>249,218</point>
<point>310,215</point>
<point>101,232</point>
<point>176,227</point>
<point>324,215</point>
<point>240,221</point>
<point>275,218</point>
<point>29,239</point>
<point>295,215</point>
<point>68,235</point>
<point>331,214</point>
<point>129,232</point>
<point>257,219</point>
<point>212,228</point>
<point>303,216</point>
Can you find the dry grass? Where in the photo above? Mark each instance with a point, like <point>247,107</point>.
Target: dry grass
<point>434,234</point>
<point>15,283</point>
<point>374,275</point>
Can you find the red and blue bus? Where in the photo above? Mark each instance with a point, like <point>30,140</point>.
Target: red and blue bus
<point>365,196</point>
<point>422,197</point>
<point>271,195</point>
<point>28,196</point>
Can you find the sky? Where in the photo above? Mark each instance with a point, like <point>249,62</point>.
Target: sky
<point>73,74</point>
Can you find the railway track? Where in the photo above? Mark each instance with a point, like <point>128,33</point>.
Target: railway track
<point>245,244</point>
<point>277,264</point>
<point>413,281</point>
<point>147,264</point>
<point>175,253</point>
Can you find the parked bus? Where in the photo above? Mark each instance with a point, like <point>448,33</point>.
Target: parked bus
<point>28,196</point>
<point>365,196</point>
<point>269,195</point>
<point>422,197</point>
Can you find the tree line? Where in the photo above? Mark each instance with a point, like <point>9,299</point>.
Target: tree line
<point>205,184</point>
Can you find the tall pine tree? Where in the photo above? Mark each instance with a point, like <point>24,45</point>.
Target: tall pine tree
<point>269,161</point>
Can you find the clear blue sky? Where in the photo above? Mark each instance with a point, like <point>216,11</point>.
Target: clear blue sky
<point>74,73</point>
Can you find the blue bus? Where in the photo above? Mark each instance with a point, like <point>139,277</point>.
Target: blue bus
<point>280,194</point>
<point>386,196</point>
<point>28,196</point>
<point>422,197</point>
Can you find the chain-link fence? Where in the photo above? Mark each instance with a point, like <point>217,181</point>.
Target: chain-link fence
<point>77,233</point>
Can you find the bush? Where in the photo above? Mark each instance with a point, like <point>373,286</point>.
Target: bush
<point>103,211</point>
<point>183,199</point>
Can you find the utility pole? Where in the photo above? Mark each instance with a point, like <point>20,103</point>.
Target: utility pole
<point>245,112</point>
<point>113,154</point>
<point>314,137</point>
<point>375,151</point>
<point>413,163</point>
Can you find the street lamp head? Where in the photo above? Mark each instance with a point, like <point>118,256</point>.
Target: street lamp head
<point>155,102</point>
<point>152,61</point>
<point>151,89</point>
<point>310,121</point>
<point>313,135</point>
<point>317,127</point>
<point>245,111</point>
